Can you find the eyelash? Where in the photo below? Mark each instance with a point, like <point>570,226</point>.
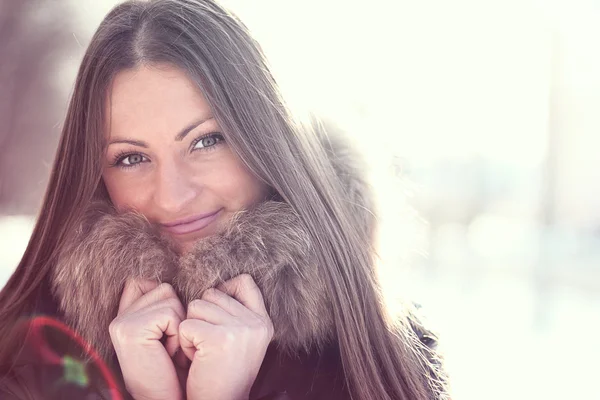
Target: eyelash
<point>121,156</point>
<point>219,139</point>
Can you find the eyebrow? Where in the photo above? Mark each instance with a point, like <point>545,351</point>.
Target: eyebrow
<point>178,138</point>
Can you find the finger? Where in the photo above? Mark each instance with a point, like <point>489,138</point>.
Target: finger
<point>224,301</point>
<point>161,292</point>
<point>173,310</point>
<point>133,290</point>
<point>244,289</point>
<point>171,302</point>
<point>192,333</point>
<point>167,322</point>
<point>147,326</point>
<point>207,311</point>
<point>172,344</point>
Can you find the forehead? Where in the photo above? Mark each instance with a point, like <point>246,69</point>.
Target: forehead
<point>150,98</point>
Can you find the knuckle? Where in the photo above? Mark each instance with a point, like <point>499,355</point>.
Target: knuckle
<point>117,330</point>
<point>246,279</point>
<point>174,318</point>
<point>183,327</point>
<point>229,338</point>
<point>270,330</point>
<point>196,308</point>
<point>265,328</point>
<point>171,314</point>
<point>167,289</point>
<point>209,294</point>
<point>113,327</point>
<point>195,304</point>
<point>173,303</point>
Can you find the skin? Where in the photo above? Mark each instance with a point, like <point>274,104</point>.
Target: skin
<point>215,347</point>
<point>148,169</point>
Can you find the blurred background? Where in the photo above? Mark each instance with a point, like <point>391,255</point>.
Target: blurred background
<point>491,111</point>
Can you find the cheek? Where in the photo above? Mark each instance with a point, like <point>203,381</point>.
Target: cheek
<point>239,188</point>
<point>125,194</point>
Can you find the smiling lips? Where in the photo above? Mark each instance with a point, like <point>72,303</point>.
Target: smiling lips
<point>191,224</point>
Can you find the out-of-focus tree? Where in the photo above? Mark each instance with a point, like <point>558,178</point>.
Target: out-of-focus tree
<point>34,39</point>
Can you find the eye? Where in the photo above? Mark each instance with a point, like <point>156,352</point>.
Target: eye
<point>130,160</point>
<point>207,141</point>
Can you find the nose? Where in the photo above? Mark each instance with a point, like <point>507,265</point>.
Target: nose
<point>174,189</point>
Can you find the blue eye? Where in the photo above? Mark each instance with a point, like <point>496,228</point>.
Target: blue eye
<point>133,159</point>
<point>129,160</point>
<point>207,141</point>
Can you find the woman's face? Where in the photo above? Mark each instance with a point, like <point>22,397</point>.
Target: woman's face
<point>168,159</point>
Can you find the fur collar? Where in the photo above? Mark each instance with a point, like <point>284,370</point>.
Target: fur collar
<point>268,242</point>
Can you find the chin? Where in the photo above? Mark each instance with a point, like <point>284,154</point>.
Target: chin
<point>185,243</point>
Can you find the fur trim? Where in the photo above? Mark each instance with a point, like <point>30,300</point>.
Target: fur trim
<point>267,242</point>
<point>93,267</point>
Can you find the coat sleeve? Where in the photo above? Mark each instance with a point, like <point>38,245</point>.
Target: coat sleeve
<point>40,382</point>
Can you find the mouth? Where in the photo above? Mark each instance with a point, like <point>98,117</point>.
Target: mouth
<point>192,225</point>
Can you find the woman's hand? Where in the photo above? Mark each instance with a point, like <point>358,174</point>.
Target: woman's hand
<point>147,311</point>
<point>225,335</point>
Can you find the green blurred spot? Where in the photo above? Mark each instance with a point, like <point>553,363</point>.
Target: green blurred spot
<point>75,371</point>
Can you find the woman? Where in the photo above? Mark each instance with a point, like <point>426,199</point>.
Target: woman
<point>199,240</point>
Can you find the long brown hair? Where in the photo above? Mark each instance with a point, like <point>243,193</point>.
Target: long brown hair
<point>217,52</point>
